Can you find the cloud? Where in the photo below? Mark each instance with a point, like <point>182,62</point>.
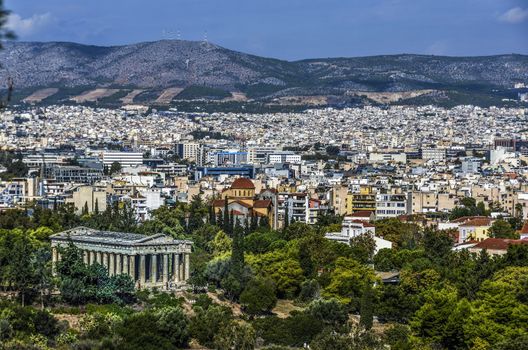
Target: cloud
<point>514,15</point>
<point>27,26</point>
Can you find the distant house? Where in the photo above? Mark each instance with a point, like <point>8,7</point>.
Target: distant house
<point>363,215</point>
<point>496,246</point>
<point>475,228</point>
<point>352,228</point>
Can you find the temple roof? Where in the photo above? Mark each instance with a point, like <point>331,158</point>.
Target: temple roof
<point>89,235</point>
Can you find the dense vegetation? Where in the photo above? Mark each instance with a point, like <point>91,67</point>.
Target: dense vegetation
<point>255,287</point>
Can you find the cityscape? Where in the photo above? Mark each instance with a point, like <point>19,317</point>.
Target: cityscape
<point>173,194</point>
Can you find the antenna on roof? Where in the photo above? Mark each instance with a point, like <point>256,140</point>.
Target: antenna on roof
<point>205,37</point>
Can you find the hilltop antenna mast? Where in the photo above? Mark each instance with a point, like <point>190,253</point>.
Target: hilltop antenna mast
<point>205,37</point>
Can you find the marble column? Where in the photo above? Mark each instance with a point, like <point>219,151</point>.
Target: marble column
<point>187,266</point>
<point>92,257</point>
<point>111,264</point>
<point>99,257</point>
<point>105,260</point>
<point>132,266</point>
<point>86,257</point>
<point>176,271</point>
<point>54,259</point>
<point>165,276</point>
<point>125,266</point>
<point>153,268</point>
<point>181,265</point>
<point>119,269</point>
<point>142,275</point>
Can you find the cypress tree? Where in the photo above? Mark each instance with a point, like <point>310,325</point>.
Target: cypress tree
<point>286,216</point>
<point>220,220</point>
<point>96,206</point>
<point>366,308</point>
<point>254,222</point>
<point>264,222</point>
<point>226,217</point>
<point>231,223</point>
<point>212,216</point>
<point>237,252</point>
<point>85,208</point>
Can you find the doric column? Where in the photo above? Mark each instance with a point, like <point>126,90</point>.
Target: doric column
<point>125,266</point>
<point>187,266</point>
<point>54,259</point>
<point>99,257</point>
<point>119,269</point>
<point>153,268</point>
<point>142,276</point>
<point>176,271</point>
<point>92,257</point>
<point>105,260</point>
<point>181,266</point>
<point>85,257</point>
<point>111,264</point>
<point>165,276</point>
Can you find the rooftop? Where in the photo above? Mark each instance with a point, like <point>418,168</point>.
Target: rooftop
<point>89,235</point>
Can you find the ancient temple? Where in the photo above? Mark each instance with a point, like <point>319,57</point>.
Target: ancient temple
<point>152,261</point>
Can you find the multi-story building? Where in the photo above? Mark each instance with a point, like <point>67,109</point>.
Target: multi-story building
<point>365,200</point>
<point>123,158</point>
<point>188,150</point>
<point>390,205</point>
<point>89,197</point>
<point>283,157</point>
<point>436,154</point>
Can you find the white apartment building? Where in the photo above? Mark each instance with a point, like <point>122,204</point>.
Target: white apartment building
<point>388,158</point>
<point>390,205</point>
<point>189,150</point>
<point>123,158</point>
<point>437,154</point>
<point>284,157</point>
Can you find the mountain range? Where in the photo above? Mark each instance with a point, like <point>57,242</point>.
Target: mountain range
<point>169,72</point>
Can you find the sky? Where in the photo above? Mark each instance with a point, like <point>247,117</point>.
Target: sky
<point>285,29</point>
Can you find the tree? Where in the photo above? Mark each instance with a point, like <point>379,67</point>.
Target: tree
<point>363,247</point>
<point>235,336</point>
<point>208,322</point>
<point>237,252</point>
<point>221,244</point>
<point>96,206</point>
<point>502,229</point>
<point>115,168</point>
<point>173,324</point>
<point>196,214</point>
<point>228,228</point>
<point>259,296</point>
<point>366,307</point>
<point>330,311</point>
<point>347,281</point>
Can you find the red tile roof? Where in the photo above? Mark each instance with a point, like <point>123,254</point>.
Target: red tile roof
<point>481,221</point>
<point>242,183</point>
<point>361,214</point>
<point>466,218</point>
<point>261,203</point>
<point>498,243</point>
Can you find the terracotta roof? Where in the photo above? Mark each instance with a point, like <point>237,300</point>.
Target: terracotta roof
<point>524,229</point>
<point>218,203</point>
<point>466,218</point>
<point>361,214</point>
<point>261,203</point>
<point>498,243</point>
<point>477,222</point>
<point>364,223</point>
<point>242,183</point>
